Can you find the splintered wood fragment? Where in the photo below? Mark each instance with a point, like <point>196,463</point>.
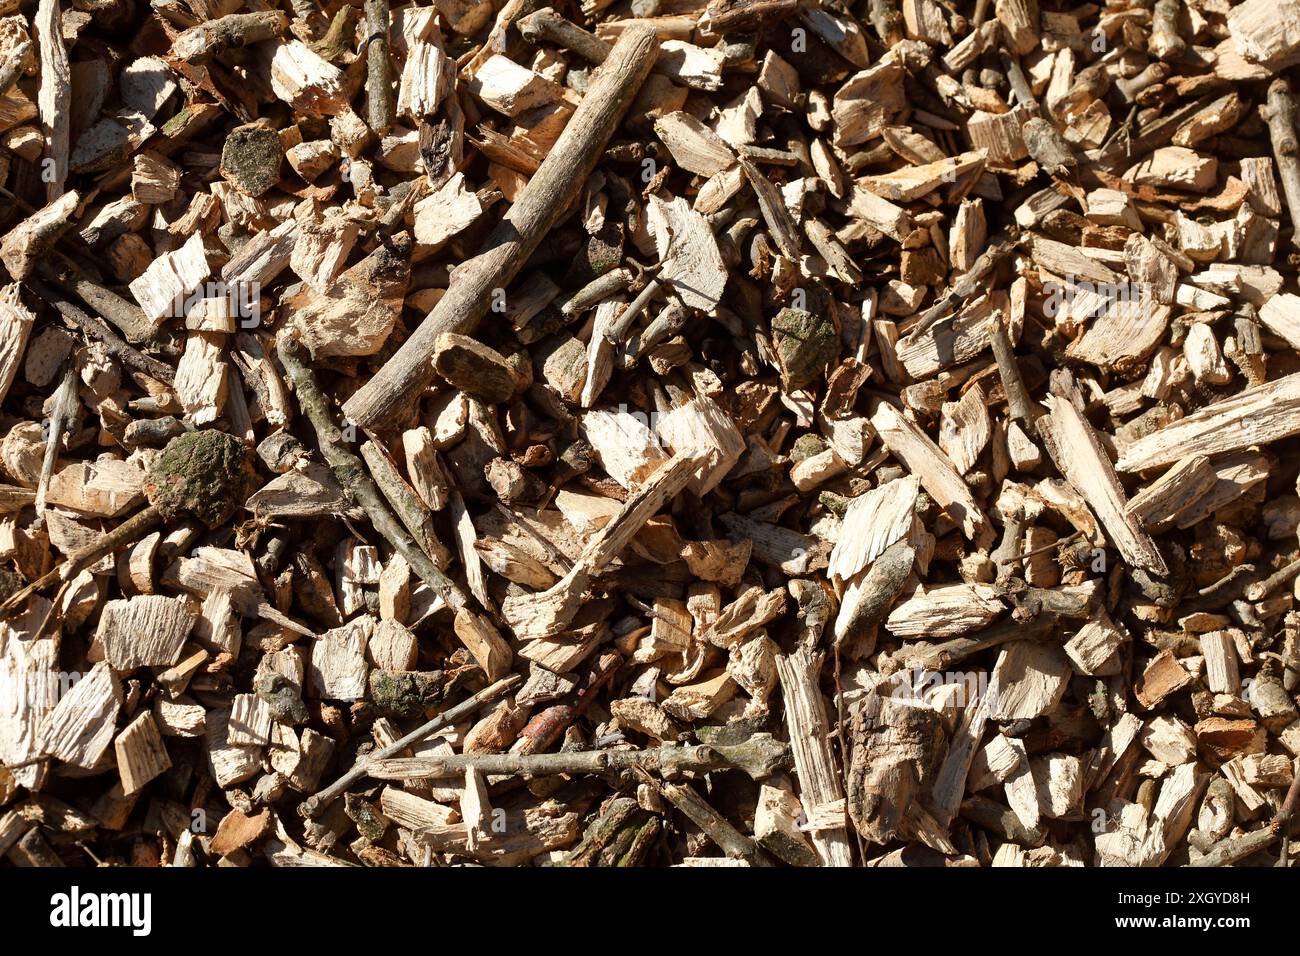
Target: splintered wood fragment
<point>1029,680</point>
<point>879,213</point>
<point>356,312</point>
<point>694,146</point>
<point>546,614</point>
<point>873,522</point>
<point>473,367</point>
<point>868,100</point>
<point>950,782</point>
<point>953,340</point>
<point>916,182</point>
<point>148,630</point>
<point>30,664</point>
<point>1281,313</point>
<point>15,326</point>
<point>405,501</point>
<point>792,552</point>
<point>1126,332</point>
<point>1265,32</point>
<point>774,210</point>
<point>511,89</point>
<point>964,429</point>
<point>691,262</point>
<point>869,596</point>
<point>776,827</point>
<point>81,726</point>
<point>26,243</point>
<point>307,82</point>
<point>535,211</point>
<point>54,96</point>
<point>170,279</point>
<point>1160,503</point>
<point>932,468</point>
<point>896,747</point>
<point>140,752</point>
<point>1085,464</point>
<point>701,428</point>
<point>1255,416</point>
<point>814,760</point>
<point>624,444</point>
<point>945,611</point>
<point>1162,677</point>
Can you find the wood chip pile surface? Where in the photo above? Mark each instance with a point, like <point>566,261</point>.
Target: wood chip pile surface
<point>649,432</point>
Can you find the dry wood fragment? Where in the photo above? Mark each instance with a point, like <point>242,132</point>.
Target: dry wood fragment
<point>140,753</point>
<point>815,762</point>
<point>935,471</point>
<point>1255,416</point>
<point>207,40</point>
<point>1086,466</point>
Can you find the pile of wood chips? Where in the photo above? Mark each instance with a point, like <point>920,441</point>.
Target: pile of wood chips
<point>769,432</point>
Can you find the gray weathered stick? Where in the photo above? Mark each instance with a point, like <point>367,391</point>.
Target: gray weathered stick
<point>541,204</point>
<point>65,405</point>
<point>1234,850</point>
<point>1280,113</point>
<point>547,26</point>
<point>758,756</point>
<point>379,67</point>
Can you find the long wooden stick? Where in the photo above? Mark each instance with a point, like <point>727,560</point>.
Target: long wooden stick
<point>55,94</point>
<point>542,202</point>
<point>1280,112</point>
<point>547,26</point>
<point>128,532</point>
<point>698,810</point>
<point>352,475</point>
<point>379,67</point>
<point>758,756</point>
<point>473,628</point>
<point>99,330</point>
<point>1235,849</point>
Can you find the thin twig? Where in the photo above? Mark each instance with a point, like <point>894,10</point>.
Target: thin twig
<point>1262,589</point>
<point>99,330</point>
<point>65,403</point>
<point>351,473</point>
<point>1047,547</point>
<point>129,531</point>
<point>313,805</point>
